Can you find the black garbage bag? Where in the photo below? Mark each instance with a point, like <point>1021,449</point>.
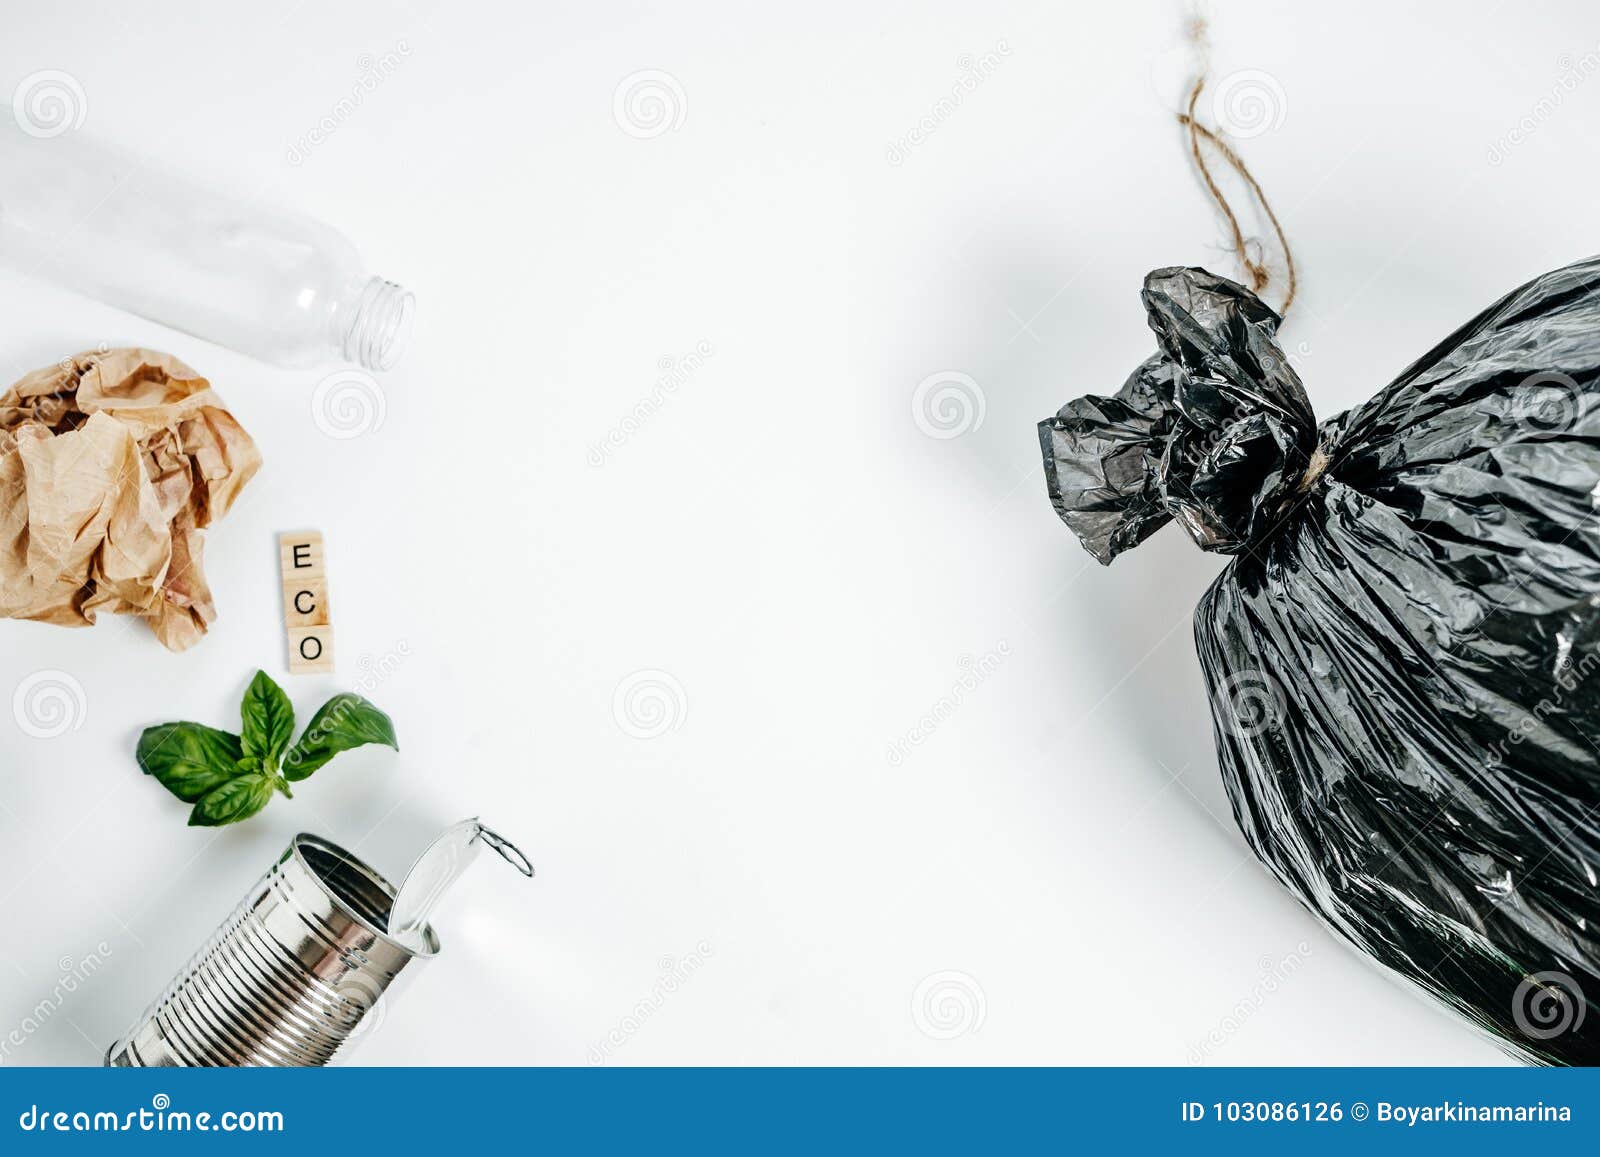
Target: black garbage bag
<point>1403,654</point>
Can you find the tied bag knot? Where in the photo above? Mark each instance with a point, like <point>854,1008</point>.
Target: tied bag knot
<point>1214,431</point>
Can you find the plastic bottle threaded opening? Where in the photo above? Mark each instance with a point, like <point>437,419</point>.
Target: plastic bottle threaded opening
<point>382,323</point>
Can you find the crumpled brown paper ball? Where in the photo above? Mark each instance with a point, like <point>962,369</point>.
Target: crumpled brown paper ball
<point>110,464</point>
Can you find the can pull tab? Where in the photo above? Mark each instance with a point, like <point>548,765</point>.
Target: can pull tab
<point>444,862</point>
<point>509,852</point>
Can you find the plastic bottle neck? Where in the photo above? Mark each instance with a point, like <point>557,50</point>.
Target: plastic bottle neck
<point>379,326</point>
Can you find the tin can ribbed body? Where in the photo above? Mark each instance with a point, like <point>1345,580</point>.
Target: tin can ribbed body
<point>292,976</point>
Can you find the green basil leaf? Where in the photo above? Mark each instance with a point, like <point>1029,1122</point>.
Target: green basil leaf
<point>236,800</point>
<point>268,721</point>
<point>188,759</point>
<point>343,722</point>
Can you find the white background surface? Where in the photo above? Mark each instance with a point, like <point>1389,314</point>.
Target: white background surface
<point>780,537</point>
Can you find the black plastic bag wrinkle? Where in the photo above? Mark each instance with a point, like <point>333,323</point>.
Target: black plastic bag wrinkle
<point>1403,656</point>
<point>1097,454</point>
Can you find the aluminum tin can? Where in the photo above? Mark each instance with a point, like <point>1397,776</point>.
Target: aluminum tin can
<point>293,975</point>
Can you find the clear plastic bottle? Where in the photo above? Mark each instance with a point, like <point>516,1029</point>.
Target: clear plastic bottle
<point>276,285</point>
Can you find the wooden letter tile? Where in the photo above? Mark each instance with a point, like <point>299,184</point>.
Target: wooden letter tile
<point>310,650</point>
<point>301,554</point>
<point>305,602</point>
